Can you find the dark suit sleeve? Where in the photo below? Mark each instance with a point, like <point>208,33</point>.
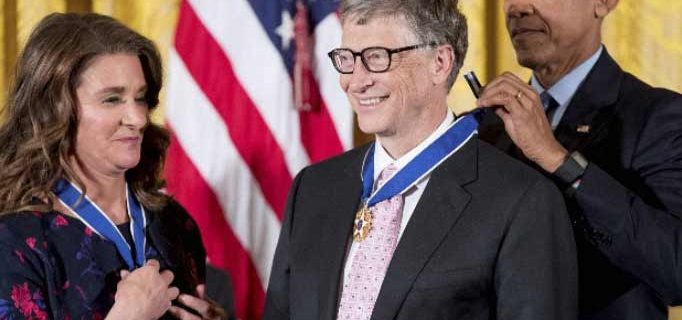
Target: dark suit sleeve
<point>643,237</point>
<point>219,289</point>
<point>277,297</point>
<point>536,269</point>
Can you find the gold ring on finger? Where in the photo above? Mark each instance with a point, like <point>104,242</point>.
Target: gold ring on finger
<point>519,95</point>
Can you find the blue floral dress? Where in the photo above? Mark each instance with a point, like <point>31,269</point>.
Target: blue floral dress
<point>52,266</point>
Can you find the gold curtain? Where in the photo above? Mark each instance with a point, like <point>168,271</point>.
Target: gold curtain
<point>644,36</point>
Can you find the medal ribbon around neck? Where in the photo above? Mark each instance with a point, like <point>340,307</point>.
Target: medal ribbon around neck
<point>456,135</point>
<point>92,216</point>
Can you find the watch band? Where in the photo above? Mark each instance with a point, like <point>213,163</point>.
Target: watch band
<point>571,169</point>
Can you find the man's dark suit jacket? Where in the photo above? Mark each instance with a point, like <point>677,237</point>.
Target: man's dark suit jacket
<point>629,241</point>
<point>489,239</point>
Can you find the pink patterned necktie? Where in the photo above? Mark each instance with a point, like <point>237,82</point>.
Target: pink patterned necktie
<point>372,256</point>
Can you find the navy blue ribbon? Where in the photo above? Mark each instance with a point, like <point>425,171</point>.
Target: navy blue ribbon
<point>90,214</point>
<point>440,149</point>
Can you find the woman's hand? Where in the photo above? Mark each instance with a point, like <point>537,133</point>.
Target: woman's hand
<point>201,305</point>
<point>144,293</point>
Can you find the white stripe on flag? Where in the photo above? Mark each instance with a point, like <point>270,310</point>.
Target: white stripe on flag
<point>205,139</point>
<point>260,70</point>
<point>328,37</point>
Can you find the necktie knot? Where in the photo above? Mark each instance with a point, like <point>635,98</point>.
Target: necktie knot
<point>386,174</point>
<point>550,104</point>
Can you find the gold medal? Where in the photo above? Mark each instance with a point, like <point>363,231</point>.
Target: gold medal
<point>362,224</point>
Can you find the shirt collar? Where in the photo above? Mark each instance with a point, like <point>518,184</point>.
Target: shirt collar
<point>382,159</point>
<point>565,88</point>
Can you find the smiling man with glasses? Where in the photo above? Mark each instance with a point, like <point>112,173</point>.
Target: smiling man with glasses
<point>426,222</point>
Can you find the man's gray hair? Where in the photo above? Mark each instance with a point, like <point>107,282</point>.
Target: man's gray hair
<point>438,21</point>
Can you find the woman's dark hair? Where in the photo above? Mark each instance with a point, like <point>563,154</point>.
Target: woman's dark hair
<point>41,114</point>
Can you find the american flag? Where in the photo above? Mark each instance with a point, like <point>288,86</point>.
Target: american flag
<point>252,99</point>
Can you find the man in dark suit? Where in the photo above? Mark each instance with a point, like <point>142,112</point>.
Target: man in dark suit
<point>610,141</point>
<point>452,229</point>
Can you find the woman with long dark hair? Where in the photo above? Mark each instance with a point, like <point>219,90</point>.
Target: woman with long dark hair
<point>85,232</point>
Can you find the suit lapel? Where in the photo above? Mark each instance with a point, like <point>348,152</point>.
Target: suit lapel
<point>336,234</point>
<point>436,213</point>
<point>587,116</point>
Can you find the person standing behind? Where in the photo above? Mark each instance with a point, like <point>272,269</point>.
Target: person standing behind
<point>610,141</point>
<point>426,222</point>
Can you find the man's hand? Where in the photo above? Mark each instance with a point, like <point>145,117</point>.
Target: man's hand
<point>201,304</point>
<point>524,119</point>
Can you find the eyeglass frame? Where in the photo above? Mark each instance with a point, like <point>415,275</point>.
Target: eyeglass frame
<point>362,58</point>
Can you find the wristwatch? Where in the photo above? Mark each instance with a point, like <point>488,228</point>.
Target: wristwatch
<point>571,170</point>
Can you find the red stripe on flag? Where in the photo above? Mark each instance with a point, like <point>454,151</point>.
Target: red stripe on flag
<point>212,71</point>
<point>318,134</point>
<point>223,249</point>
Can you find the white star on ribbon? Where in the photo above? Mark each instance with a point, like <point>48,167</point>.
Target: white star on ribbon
<point>286,30</point>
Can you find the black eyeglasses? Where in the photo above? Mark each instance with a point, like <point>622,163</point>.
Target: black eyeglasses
<point>375,59</point>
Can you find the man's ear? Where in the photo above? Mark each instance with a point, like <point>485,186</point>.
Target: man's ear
<point>603,7</point>
<point>444,61</point>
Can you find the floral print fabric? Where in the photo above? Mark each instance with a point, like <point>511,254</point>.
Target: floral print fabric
<point>52,266</point>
